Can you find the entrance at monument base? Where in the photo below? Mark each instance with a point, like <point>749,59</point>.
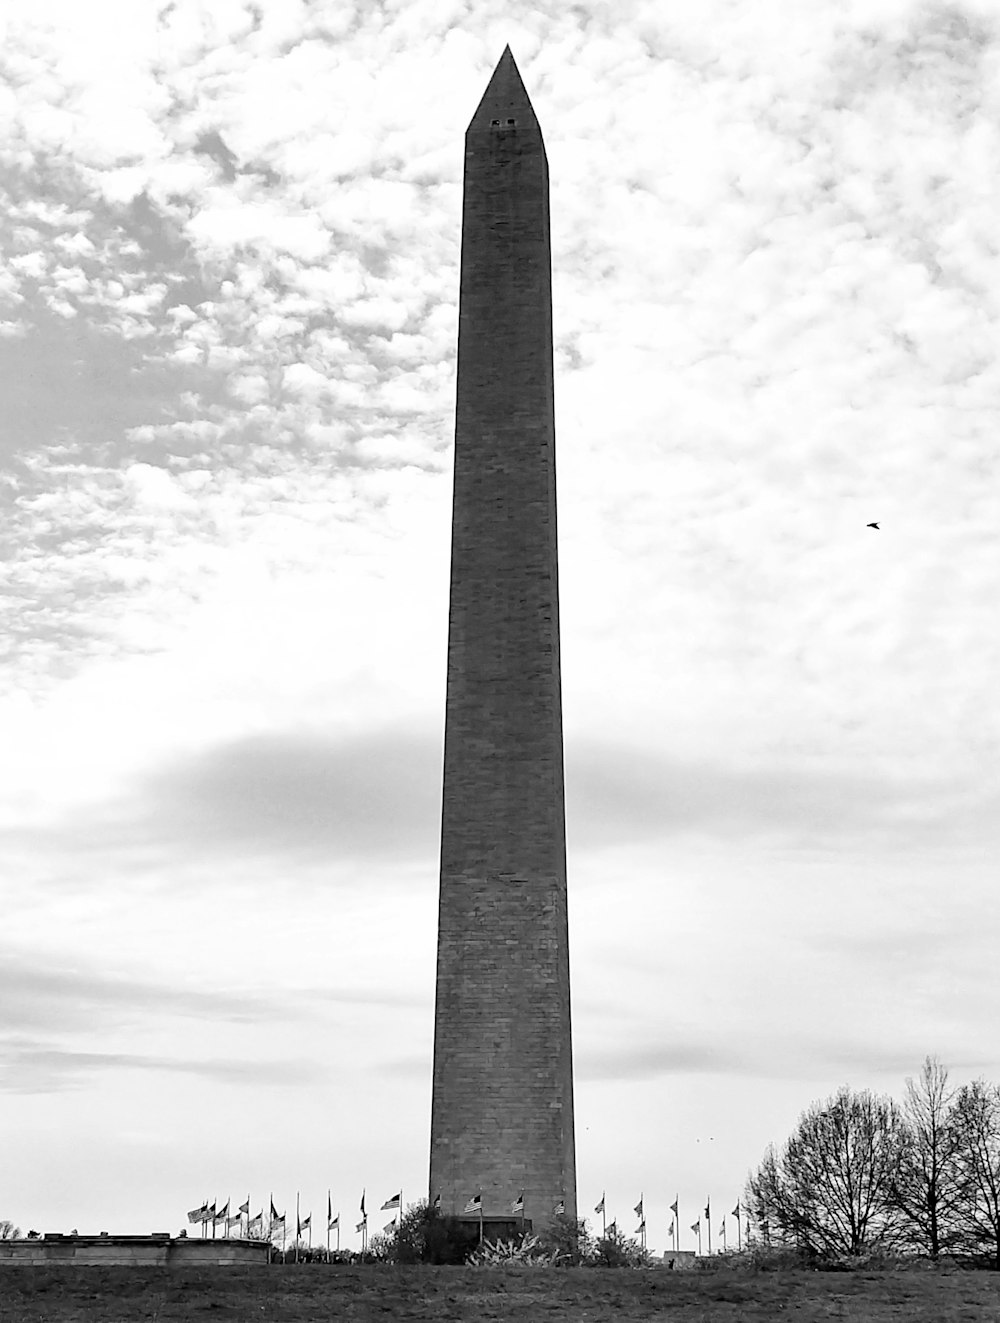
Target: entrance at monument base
<point>498,1228</point>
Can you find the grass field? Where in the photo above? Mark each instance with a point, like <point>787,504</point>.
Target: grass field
<point>521,1295</point>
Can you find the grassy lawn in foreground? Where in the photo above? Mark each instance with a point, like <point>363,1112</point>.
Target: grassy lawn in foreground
<point>320,1294</point>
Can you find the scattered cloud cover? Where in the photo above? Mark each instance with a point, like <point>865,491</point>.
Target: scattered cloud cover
<point>227,352</point>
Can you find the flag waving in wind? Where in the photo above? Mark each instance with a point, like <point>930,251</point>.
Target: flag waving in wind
<point>600,1206</point>
<point>518,1205</point>
<point>391,1203</point>
<point>475,1204</point>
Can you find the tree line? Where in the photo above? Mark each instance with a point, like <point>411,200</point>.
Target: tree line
<point>862,1174</point>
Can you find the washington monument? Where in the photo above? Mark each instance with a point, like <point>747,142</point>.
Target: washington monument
<point>502,1108</point>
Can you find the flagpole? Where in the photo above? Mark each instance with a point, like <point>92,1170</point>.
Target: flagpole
<point>270,1225</point>
<point>329,1210</point>
<point>708,1219</point>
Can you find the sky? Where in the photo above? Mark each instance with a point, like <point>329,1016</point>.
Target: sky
<point>228,312</point>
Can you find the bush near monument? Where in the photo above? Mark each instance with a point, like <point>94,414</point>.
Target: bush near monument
<point>424,1235</point>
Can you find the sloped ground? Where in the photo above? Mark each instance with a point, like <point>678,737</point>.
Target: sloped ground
<point>461,1295</point>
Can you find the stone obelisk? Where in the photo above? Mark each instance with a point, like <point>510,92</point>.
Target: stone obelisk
<point>502,1108</point>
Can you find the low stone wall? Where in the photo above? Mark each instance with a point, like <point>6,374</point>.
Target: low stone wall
<point>157,1250</point>
<point>680,1260</point>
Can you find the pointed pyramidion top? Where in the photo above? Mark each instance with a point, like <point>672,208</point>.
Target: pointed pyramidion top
<point>505,99</point>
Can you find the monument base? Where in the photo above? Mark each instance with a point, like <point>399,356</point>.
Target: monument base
<point>498,1228</point>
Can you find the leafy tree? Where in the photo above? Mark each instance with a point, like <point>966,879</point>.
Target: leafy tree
<point>828,1192</point>
<point>424,1235</point>
<point>568,1239</point>
<point>616,1250</point>
<point>977,1124</point>
<point>925,1187</point>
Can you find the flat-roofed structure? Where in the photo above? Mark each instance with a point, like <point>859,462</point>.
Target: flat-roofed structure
<point>159,1249</point>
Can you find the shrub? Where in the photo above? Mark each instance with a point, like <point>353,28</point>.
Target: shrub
<point>568,1240</point>
<point>423,1235</point>
<point>525,1251</point>
<point>615,1250</point>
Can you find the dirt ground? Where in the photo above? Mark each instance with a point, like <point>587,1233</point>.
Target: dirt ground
<point>461,1295</point>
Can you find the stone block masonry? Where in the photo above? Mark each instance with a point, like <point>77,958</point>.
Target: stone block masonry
<point>502,1108</point>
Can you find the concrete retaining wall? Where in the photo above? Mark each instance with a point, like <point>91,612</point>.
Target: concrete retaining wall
<point>138,1251</point>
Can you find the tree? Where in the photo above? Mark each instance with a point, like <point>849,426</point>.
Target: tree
<point>8,1231</point>
<point>424,1235</point>
<point>828,1192</point>
<point>616,1250</point>
<point>977,1124</point>
<point>569,1239</point>
<point>925,1187</point>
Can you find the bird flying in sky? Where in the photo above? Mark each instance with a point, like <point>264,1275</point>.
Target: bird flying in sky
<point>871,525</point>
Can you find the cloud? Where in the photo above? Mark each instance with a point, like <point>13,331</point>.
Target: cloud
<point>27,1066</point>
<point>374,796</point>
<point>40,992</point>
<point>623,794</point>
<point>826,1054</point>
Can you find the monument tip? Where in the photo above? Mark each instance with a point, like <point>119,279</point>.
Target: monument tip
<point>505,93</point>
